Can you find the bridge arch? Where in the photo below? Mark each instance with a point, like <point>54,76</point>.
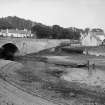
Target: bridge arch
<point>8,51</point>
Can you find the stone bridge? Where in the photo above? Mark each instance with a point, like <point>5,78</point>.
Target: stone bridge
<point>26,45</point>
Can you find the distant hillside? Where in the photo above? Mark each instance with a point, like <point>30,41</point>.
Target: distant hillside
<point>4,24</point>
<point>16,22</point>
<point>41,30</point>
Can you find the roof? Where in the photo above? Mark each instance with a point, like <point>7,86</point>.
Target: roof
<point>99,33</point>
<point>16,31</point>
<point>100,36</point>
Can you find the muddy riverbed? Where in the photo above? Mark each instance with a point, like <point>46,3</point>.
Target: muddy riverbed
<point>40,78</point>
<point>43,79</point>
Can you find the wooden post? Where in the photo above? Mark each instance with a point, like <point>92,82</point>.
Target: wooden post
<point>89,69</point>
<point>94,66</point>
<point>88,65</point>
<point>86,51</point>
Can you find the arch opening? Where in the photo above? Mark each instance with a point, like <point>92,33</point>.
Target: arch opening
<point>8,50</point>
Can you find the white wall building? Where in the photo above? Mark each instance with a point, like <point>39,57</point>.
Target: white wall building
<point>92,38</point>
<point>16,33</point>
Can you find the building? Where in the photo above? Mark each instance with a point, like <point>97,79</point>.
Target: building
<point>92,38</point>
<point>15,33</point>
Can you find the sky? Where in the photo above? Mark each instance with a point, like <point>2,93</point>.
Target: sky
<point>66,13</point>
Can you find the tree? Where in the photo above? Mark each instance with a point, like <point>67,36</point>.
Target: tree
<point>4,24</point>
<point>42,31</point>
<point>57,31</point>
<point>87,30</point>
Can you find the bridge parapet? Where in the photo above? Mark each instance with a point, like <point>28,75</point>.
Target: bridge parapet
<point>26,45</point>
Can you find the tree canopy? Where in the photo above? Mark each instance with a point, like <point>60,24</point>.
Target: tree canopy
<point>55,32</point>
<point>43,31</point>
<point>16,22</point>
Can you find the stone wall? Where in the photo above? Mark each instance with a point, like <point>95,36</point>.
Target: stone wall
<point>26,45</point>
